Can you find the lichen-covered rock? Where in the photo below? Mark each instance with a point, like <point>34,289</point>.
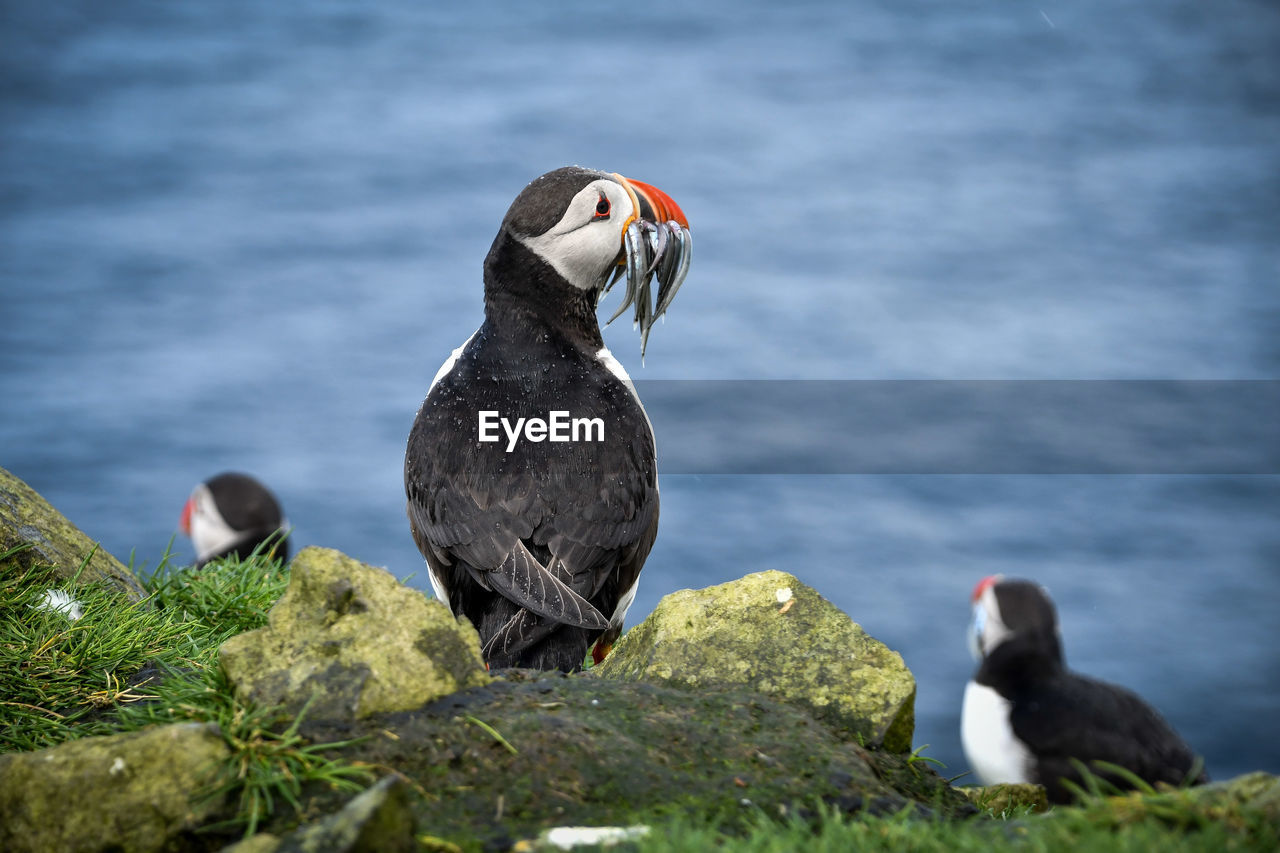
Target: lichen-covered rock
<point>354,641</point>
<point>770,632</point>
<point>137,791</point>
<point>263,842</point>
<point>1256,790</point>
<point>378,821</point>
<point>27,518</point>
<point>1002,798</point>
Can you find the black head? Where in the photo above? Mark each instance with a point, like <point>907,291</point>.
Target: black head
<point>1006,610</point>
<point>573,231</point>
<point>228,511</point>
<point>244,502</point>
<point>542,203</point>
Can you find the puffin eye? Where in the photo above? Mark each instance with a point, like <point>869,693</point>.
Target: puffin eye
<point>602,208</point>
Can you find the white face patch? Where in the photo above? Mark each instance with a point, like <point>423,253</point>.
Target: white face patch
<point>987,629</point>
<point>210,533</point>
<point>582,246</point>
<point>993,753</point>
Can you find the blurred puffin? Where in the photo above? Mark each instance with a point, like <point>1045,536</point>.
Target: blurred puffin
<point>1027,718</point>
<point>538,537</point>
<point>231,515</point>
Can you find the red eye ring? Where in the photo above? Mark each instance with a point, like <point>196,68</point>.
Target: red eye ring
<point>602,208</point>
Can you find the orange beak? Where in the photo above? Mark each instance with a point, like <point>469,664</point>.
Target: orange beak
<point>983,585</point>
<point>187,509</point>
<point>651,203</point>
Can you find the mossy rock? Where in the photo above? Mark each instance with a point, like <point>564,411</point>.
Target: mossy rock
<point>351,640</point>
<point>774,634</point>
<point>532,750</point>
<point>379,820</point>
<point>1256,792</point>
<point>26,518</point>
<point>999,799</point>
<point>137,791</point>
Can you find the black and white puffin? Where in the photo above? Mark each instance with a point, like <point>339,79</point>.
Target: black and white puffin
<point>536,529</point>
<point>231,515</point>
<point>1027,718</point>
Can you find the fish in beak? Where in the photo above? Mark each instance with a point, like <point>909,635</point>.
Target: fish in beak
<point>656,243</point>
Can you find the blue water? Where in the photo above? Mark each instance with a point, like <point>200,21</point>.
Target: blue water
<point>244,236</point>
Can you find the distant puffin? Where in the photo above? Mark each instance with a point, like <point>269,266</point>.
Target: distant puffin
<point>231,514</point>
<point>1026,717</point>
<point>537,532</point>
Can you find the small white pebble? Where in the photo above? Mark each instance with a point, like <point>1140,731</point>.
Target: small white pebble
<point>569,837</point>
<point>60,602</point>
<point>595,701</point>
<point>784,595</point>
<point>117,766</point>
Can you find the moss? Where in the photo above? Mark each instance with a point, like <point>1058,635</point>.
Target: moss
<point>28,519</point>
<point>138,789</point>
<point>1009,798</point>
<point>770,632</point>
<point>601,752</point>
<point>377,821</point>
<point>351,639</point>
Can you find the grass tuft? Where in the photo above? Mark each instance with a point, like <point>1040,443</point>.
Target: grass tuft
<point>1209,828</point>
<point>271,765</point>
<point>125,665</point>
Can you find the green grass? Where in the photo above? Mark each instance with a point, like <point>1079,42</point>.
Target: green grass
<point>1133,823</point>
<point>125,665</point>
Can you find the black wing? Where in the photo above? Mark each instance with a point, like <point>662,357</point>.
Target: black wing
<point>552,527</point>
<point>1074,718</point>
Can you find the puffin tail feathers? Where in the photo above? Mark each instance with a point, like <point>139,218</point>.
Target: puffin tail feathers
<point>523,580</point>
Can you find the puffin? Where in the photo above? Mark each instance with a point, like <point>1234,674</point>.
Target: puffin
<point>531,469</point>
<point>232,514</point>
<point>1027,718</point>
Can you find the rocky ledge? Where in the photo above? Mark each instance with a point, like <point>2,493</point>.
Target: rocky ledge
<point>748,698</point>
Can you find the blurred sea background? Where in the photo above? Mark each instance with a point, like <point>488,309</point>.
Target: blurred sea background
<point>245,235</point>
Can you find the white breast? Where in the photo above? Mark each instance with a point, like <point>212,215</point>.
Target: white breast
<point>994,754</point>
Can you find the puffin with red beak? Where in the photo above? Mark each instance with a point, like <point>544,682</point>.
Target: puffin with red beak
<point>1027,718</point>
<point>531,471</point>
<point>232,514</point>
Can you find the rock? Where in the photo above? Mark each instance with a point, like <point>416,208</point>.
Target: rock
<point>263,842</point>
<point>356,639</point>
<point>380,819</point>
<point>1001,798</point>
<point>137,791</point>
<point>27,518</point>
<point>772,633</point>
<point>531,751</point>
<point>1249,803</point>
<point>376,821</point>
<point>1256,790</point>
